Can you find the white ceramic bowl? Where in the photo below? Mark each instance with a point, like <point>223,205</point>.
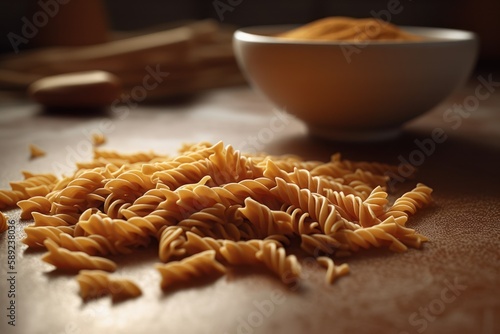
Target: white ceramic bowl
<point>355,91</point>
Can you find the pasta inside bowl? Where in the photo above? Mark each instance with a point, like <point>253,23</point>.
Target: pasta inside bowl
<point>356,90</point>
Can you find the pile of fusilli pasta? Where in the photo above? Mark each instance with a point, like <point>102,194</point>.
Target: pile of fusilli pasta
<point>208,209</point>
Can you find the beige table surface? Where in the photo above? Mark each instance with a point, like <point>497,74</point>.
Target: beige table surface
<point>452,285</point>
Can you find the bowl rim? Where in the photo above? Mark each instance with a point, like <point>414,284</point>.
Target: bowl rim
<point>260,34</point>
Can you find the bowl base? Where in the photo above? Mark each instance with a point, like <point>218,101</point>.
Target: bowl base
<point>354,136</point>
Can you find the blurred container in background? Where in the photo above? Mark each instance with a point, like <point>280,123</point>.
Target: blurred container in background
<point>94,18</point>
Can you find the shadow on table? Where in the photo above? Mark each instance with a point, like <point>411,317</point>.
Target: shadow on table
<point>458,165</point>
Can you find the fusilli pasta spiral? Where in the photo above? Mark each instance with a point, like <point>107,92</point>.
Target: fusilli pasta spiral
<point>71,260</point>
<point>210,208</point>
<point>199,265</point>
<point>98,283</point>
<point>3,223</point>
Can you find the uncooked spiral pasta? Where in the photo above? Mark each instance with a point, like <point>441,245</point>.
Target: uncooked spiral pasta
<point>98,283</point>
<point>36,152</point>
<point>266,221</point>
<point>241,252</point>
<point>269,253</point>
<point>353,208</point>
<point>316,244</point>
<point>286,267</point>
<point>63,236</point>
<point>98,139</point>
<point>171,243</point>
<point>196,266</point>
<point>300,220</point>
<point>71,260</point>
<point>196,244</point>
<point>377,201</point>
<point>332,271</point>
<point>3,223</point>
<point>36,235</point>
<point>38,204</point>
<point>338,28</point>
<point>319,207</point>
<point>41,190</point>
<point>33,180</point>
<point>9,198</point>
<point>210,208</point>
<point>410,202</point>
<point>32,185</point>
<point>130,158</point>
<point>41,219</point>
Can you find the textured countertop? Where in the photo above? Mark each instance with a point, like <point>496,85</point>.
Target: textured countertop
<point>451,285</point>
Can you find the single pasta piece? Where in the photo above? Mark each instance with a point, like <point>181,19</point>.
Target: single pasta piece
<point>316,244</point>
<point>128,158</point>
<point>332,271</point>
<point>9,198</point>
<point>275,258</point>
<point>196,244</point>
<point>3,223</point>
<point>70,260</point>
<point>171,243</point>
<point>98,139</point>
<point>36,152</point>
<point>35,236</point>
<point>196,266</point>
<point>52,220</point>
<point>242,252</point>
<point>410,202</point>
<point>98,283</point>
<point>38,204</point>
<point>265,220</point>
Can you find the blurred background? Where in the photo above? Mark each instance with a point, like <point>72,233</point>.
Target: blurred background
<point>480,16</point>
<point>36,24</point>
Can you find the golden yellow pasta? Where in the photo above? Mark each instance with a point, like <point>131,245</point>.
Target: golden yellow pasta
<point>98,283</point>
<point>3,223</point>
<point>196,266</point>
<point>332,271</point>
<point>275,258</point>
<point>9,198</point>
<point>196,244</point>
<point>36,152</point>
<point>210,208</point>
<point>98,139</point>
<point>241,252</point>
<point>74,260</point>
<point>36,235</point>
<point>338,28</point>
<point>171,243</point>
